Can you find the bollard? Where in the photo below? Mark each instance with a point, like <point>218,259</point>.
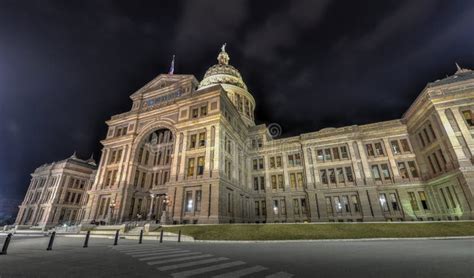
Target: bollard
<point>141,237</point>
<point>161,236</point>
<point>5,244</point>
<point>116,237</point>
<point>86,241</point>
<point>179,236</point>
<point>51,241</point>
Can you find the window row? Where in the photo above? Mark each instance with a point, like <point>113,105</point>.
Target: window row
<point>427,135</point>
<point>375,149</point>
<point>120,131</point>
<point>437,161</point>
<point>76,183</point>
<point>414,201</point>
<point>72,198</point>
<point>390,205</point>
<point>197,140</point>
<point>116,156</point>
<point>195,166</point>
<point>344,204</point>
<point>336,175</point>
<point>193,203</point>
<point>199,112</point>
<point>259,183</point>
<point>407,169</point>
<point>400,146</point>
<point>332,154</point>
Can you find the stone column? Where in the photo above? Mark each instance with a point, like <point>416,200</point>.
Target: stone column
<point>152,206</point>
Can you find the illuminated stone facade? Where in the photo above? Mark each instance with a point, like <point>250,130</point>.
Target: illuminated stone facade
<point>189,152</point>
<point>57,193</point>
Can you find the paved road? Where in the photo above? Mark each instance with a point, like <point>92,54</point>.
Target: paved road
<point>27,257</point>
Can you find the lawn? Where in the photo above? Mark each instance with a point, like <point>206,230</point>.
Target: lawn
<point>323,231</point>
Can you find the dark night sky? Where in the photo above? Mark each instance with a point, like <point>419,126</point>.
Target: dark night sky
<point>67,66</point>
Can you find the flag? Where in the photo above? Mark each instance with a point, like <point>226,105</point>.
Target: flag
<point>172,67</point>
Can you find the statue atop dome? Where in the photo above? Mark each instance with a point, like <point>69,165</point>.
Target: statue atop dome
<point>223,57</point>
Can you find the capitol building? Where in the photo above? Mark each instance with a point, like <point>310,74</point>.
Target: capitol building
<point>189,152</point>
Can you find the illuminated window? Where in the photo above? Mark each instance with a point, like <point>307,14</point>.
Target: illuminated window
<point>395,147</point>
<point>327,154</point>
<point>274,182</point>
<point>200,166</point>
<point>190,167</point>
<point>203,110</point>
<point>403,170</point>
<point>319,155</point>
<point>202,139</point>
<point>278,161</point>
<point>275,207</point>
<point>337,204</point>
<point>280,182</point>
<point>375,172</point>
<point>189,201</point>
<point>383,202</point>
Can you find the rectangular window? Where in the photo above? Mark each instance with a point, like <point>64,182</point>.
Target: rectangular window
<point>379,149</point>
<point>344,154</point>
<point>283,206</point>
<point>329,209</point>
<point>383,202</point>
<point>395,147</point>
<point>413,201</point>
<point>274,182</point>
<point>299,180</point>
<point>202,139</point>
<point>203,110</point>
<point>293,181</point>
<point>190,167</point>
<point>413,170</point>
<point>424,202</point>
<point>264,208</point>
<point>335,152</point>
<point>375,172</point>
<point>345,203</point>
<point>437,162</point>
<point>262,183</point>
<point>405,145</point>
<point>319,155</point>
<point>337,204</point>
<point>403,170</point>
<point>297,159</point>
<point>385,171</point>
<point>450,195</point>
<point>324,177</point>
<point>280,182</point>
<point>355,203</point>
<point>197,203</point>
<point>189,201</point>
<point>340,175</point>
<point>255,164</point>
<point>257,208</point>
<point>275,207</point>
<point>327,154</point>
<point>443,159</point>
<point>432,165</point>
<point>192,143</point>
<point>444,198</point>
<point>272,162</point>
<point>255,183</point>
<point>370,150</point>
<point>260,163</point>
<point>332,176</point>
<point>349,176</point>
<point>278,161</point>
<point>200,166</point>
<point>303,206</point>
<point>291,160</point>
<point>195,113</point>
<point>393,201</point>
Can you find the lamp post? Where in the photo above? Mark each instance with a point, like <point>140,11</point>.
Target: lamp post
<point>165,219</point>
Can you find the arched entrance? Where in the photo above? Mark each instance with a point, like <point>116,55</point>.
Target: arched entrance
<point>151,172</point>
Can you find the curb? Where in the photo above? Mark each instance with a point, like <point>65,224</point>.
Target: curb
<point>337,240</point>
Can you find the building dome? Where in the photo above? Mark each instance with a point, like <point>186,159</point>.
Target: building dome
<point>230,79</point>
<point>222,73</point>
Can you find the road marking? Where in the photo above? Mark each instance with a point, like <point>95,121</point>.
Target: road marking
<point>131,248</point>
<point>206,269</point>
<point>164,254</point>
<point>143,254</point>
<point>280,275</point>
<point>188,264</point>
<point>242,272</point>
<point>142,249</point>
<point>150,251</point>
<point>179,259</point>
<point>168,256</point>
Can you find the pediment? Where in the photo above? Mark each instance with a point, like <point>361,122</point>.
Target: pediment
<point>162,81</point>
